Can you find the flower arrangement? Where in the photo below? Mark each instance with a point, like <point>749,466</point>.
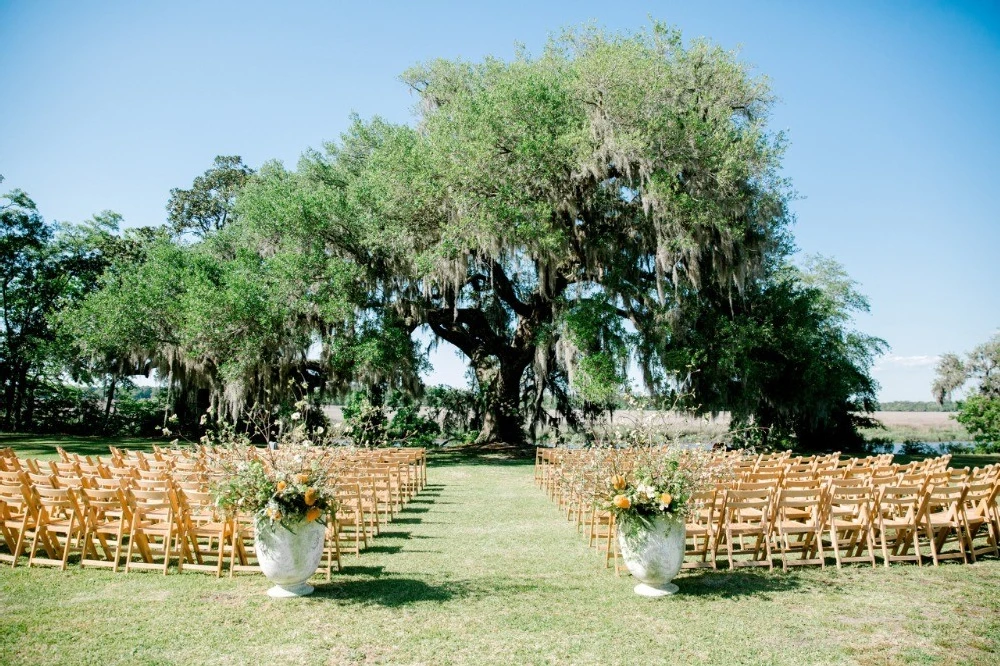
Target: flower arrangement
<point>287,486</point>
<point>639,484</point>
<point>656,488</point>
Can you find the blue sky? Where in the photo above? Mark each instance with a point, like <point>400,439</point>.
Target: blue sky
<point>890,109</point>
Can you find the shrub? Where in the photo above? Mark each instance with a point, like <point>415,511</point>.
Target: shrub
<point>914,448</point>
<point>458,411</point>
<point>365,422</point>
<point>980,415</point>
<point>412,429</point>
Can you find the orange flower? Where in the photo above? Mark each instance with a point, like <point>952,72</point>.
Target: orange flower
<point>313,513</point>
<point>274,514</point>
<point>302,478</point>
<point>666,499</point>
<point>281,486</point>
<point>618,482</point>
<point>622,502</point>
<point>310,497</point>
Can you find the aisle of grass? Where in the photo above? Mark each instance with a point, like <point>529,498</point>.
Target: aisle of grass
<point>480,568</point>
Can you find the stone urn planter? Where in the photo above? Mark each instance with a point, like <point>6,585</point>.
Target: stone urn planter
<point>289,557</point>
<point>653,556</point>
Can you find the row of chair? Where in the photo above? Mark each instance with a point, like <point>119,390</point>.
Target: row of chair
<point>801,510</point>
<point>134,511</point>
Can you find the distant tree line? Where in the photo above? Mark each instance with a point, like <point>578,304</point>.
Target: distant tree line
<point>917,406</point>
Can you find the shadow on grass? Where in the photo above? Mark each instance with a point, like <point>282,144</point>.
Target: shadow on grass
<point>381,548</point>
<point>394,592</point>
<point>403,535</point>
<point>733,584</point>
<point>360,570</point>
<point>388,592</point>
<point>472,456</point>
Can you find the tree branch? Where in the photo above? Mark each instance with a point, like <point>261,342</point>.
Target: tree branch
<point>505,290</point>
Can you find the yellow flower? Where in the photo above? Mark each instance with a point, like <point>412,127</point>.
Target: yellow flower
<point>313,513</point>
<point>281,486</point>
<point>274,514</point>
<point>310,497</point>
<point>622,502</point>
<point>302,478</point>
<point>618,482</point>
<point>666,499</point>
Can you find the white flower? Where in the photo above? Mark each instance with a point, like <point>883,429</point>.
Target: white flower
<point>648,491</point>
<point>296,416</point>
<point>320,430</point>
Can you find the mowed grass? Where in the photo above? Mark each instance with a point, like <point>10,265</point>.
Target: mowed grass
<point>481,569</point>
<point>43,447</point>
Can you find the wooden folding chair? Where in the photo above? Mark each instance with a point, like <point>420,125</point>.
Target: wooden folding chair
<point>598,527</point>
<point>106,519</point>
<point>351,531</point>
<point>849,521</point>
<point>899,514</point>
<point>976,516</point>
<point>384,478</point>
<point>747,513</point>
<point>153,531</point>
<point>701,528</point>
<point>207,533</point>
<point>331,546</point>
<point>798,525</point>
<point>943,521</point>
<point>18,517</point>
<point>44,480</point>
<point>373,518</point>
<point>243,553</point>
<point>64,468</point>
<point>58,514</point>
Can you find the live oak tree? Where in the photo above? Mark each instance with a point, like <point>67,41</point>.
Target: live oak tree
<point>612,202</point>
<point>548,216</point>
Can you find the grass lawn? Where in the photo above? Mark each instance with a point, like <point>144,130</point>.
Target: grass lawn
<point>481,569</point>
<point>43,447</point>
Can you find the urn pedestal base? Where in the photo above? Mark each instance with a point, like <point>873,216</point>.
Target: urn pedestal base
<point>289,591</point>
<point>644,590</point>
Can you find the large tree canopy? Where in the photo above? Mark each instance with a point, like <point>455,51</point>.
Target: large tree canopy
<point>613,201</point>
<point>547,216</point>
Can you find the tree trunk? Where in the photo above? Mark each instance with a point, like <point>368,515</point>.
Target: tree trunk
<point>110,401</point>
<point>20,380</point>
<point>502,420</point>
